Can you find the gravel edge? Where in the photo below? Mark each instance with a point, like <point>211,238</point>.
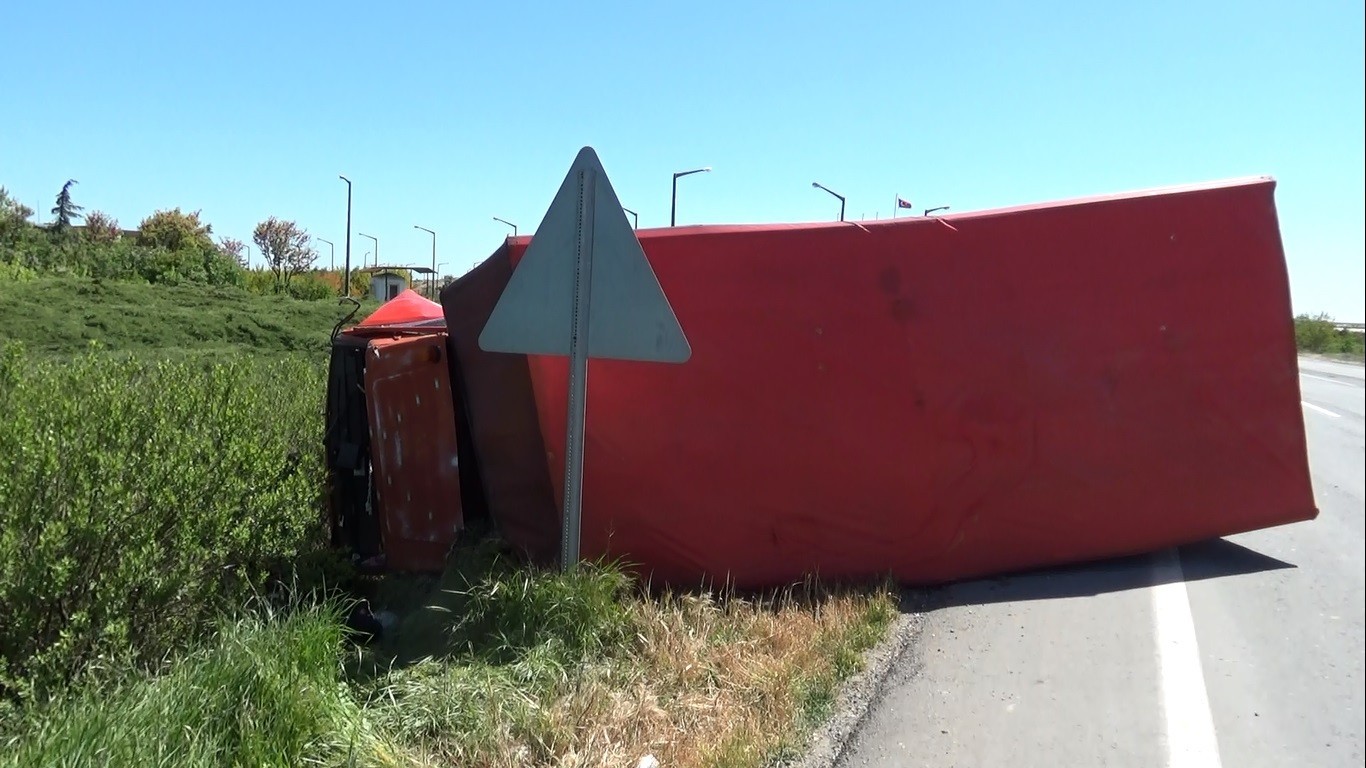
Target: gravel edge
<point>857,694</point>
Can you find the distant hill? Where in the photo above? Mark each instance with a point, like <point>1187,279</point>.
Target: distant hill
<point>60,315</point>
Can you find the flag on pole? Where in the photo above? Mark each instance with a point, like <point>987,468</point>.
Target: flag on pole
<point>903,203</point>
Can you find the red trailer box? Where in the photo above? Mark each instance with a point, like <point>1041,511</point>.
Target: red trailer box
<point>935,398</point>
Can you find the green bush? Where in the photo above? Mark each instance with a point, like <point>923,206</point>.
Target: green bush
<point>310,288</point>
<point>140,499</point>
<point>15,273</point>
<point>260,281</point>
<point>1313,334</point>
<point>1319,334</point>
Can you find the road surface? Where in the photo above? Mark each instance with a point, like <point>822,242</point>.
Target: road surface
<point>1246,651</point>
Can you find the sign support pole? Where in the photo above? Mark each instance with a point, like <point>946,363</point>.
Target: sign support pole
<point>545,310</point>
<point>578,375</point>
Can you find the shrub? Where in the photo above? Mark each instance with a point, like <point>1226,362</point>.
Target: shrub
<point>1314,334</point>
<point>310,288</point>
<point>175,231</point>
<point>1319,334</point>
<point>139,499</point>
<point>100,227</point>
<point>259,281</point>
<point>15,272</point>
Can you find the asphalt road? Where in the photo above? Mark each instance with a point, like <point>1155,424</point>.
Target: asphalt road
<point>1246,651</point>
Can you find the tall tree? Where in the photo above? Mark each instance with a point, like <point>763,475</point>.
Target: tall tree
<point>286,247</point>
<point>13,209</point>
<point>65,210</point>
<point>13,216</point>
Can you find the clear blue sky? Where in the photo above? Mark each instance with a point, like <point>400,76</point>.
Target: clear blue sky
<point>447,114</point>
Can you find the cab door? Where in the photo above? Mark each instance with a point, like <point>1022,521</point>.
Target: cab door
<point>413,450</point>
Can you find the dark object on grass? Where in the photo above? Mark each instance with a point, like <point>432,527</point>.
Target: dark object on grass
<point>362,625</point>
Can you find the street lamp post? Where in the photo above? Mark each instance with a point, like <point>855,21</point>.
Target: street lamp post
<point>635,220</point>
<point>510,224</point>
<point>376,240</point>
<point>928,211</point>
<point>332,253</point>
<point>346,278</point>
<point>431,281</point>
<point>673,200</point>
<point>819,185</point>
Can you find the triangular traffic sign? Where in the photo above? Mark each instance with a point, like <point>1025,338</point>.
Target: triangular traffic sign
<point>629,317</point>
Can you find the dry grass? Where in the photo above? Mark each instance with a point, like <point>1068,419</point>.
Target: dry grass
<point>700,680</point>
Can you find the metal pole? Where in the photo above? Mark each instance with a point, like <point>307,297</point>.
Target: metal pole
<point>346,277</point>
<point>635,220</point>
<point>578,377</point>
<point>510,224</point>
<point>431,276</point>
<point>376,241</point>
<point>819,185</point>
<point>673,202</point>
<point>332,249</point>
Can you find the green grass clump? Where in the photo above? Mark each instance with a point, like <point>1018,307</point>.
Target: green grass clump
<point>267,692</point>
<point>140,499</point>
<point>516,611</point>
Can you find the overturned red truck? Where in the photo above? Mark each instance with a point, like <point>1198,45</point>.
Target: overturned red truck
<point>934,398</point>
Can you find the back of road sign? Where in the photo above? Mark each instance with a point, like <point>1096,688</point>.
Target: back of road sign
<point>629,317</point>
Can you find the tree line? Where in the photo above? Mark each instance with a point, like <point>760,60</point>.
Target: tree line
<point>168,246</point>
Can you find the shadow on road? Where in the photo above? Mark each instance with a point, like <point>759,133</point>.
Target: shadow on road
<point>1212,559</point>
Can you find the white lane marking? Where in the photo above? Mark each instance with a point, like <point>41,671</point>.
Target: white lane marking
<point>1324,411</point>
<point>1325,378</point>
<point>1191,742</point>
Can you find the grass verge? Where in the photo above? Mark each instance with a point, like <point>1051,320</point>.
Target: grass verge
<point>268,692</point>
<point>510,667</point>
<point>62,315</point>
<point>495,665</point>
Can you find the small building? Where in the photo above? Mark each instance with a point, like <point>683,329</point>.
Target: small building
<point>386,285</point>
